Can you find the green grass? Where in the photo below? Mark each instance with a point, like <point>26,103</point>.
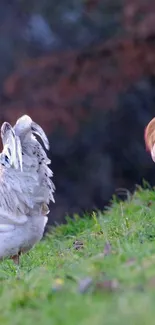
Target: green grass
<point>116,254</point>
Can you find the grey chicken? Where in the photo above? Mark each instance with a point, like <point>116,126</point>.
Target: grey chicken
<point>26,188</point>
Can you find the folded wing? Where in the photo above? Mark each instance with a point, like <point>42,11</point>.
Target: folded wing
<point>26,188</point>
<point>35,160</point>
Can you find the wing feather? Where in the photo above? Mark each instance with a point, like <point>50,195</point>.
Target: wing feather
<point>26,187</point>
<point>35,158</point>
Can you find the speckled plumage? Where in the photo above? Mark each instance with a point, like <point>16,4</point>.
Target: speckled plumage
<point>26,188</point>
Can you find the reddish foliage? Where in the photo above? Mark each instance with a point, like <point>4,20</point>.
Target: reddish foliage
<point>65,88</point>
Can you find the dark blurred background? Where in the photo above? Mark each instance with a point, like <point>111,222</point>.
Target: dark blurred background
<point>85,71</point>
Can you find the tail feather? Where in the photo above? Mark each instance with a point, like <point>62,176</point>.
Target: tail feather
<point>11,147</point>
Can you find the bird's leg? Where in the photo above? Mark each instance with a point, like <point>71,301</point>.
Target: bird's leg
<point>15,258</point>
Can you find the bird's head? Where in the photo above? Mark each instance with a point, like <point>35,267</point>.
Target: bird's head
<point>149,137</point>
<point>25,125</point>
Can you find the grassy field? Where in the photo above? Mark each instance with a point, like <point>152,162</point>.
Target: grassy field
<point>92,271</point>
